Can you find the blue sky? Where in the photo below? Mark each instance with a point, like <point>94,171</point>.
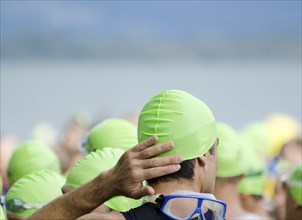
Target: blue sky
<point>151,19</point>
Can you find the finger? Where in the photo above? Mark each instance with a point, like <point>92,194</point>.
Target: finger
<point>155,150</point>
<point>159,171</point>
<point>143,191</point>
<point>161,161</point>
<point>147,143</point>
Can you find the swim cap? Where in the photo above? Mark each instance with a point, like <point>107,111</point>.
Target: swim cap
<point>29,157</point>
<point>257,136</point>
<point>179,117</point>
<point>294,184</point>
<point>91,166</point>
<point>2,216</point>
<point>253,182</point>
<point>114,133</point>
<point>230,162</point>
<point>282,129</point>
<point>1,185</point>
<point>33,190</point>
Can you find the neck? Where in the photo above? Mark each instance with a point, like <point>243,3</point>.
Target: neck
<point>169,187</point>
<point>260,210</point>
<point>228,193</point>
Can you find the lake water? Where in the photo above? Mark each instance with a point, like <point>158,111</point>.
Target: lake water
<point>237,92</point>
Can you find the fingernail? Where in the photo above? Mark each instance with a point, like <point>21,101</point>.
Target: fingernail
<point>170,145</point>
<point>179,159</point>
<point>177,167</point>
<point>154,138</point>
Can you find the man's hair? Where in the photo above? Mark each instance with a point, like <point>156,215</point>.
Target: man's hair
<point>186,171</point>
<point>257,197</point>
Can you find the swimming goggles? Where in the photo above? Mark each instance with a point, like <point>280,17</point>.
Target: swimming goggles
<point>191,205</point>
<point>17,205</point>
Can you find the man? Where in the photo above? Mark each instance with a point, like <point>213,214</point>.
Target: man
<point>287,160</point>
<point>291,152</point>
<point>89,167</point>
<point>179,117</point>
<point>136,165</point>
<point>293,188</point>
<point>68,148</point>
<point>31,156</point>
<point>2,215</point>
<point>230,172</point>
<point>251,187</point>
<point>8,145</point>
<point>31,192</point>
<point>112,132</point>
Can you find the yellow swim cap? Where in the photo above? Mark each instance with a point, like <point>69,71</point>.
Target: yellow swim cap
<point>282,129</point>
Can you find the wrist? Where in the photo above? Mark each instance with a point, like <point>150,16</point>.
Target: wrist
<point>105,185</point>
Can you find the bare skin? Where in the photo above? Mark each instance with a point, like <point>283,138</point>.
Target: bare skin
<point>293,210</point>
<point>136,165</point>
<point>228,193</point>
<point>203,181</point>
<point>252,205</point>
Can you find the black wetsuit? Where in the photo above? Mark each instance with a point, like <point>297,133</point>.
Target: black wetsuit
<point>149,211</point>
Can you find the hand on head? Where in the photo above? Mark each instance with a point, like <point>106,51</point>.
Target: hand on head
<point>139,163</point>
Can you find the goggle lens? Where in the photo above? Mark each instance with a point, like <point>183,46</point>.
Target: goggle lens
<point>17,205</point>
<point>181,208</point>
<point>188,207</point>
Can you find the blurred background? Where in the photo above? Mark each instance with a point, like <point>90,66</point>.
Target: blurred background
<point>106,59</point>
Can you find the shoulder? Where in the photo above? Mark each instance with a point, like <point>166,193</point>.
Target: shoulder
<point>147,211</point>
<point>102,215</point>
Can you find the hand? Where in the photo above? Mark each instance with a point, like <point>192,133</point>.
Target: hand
<point>138,164</point>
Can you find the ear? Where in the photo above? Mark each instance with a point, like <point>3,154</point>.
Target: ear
<point>243,196</point>
<point>202,161</point>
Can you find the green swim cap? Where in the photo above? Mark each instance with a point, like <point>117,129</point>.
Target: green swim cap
<point>1,184</point>
<point>253,182</point>
<point>35,190</point>
<point>92,165</point>
<point>2,216</point>
<point>294,184</point>
<point>29,157</point>
<point>178,116</point>
<point>114,133</point>
<point>230,162</point>
<point>257,135</point>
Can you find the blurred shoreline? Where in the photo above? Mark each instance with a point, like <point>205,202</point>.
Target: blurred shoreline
<point>237,91</point>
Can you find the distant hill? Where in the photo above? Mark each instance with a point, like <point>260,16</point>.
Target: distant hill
<point>150,29</point>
